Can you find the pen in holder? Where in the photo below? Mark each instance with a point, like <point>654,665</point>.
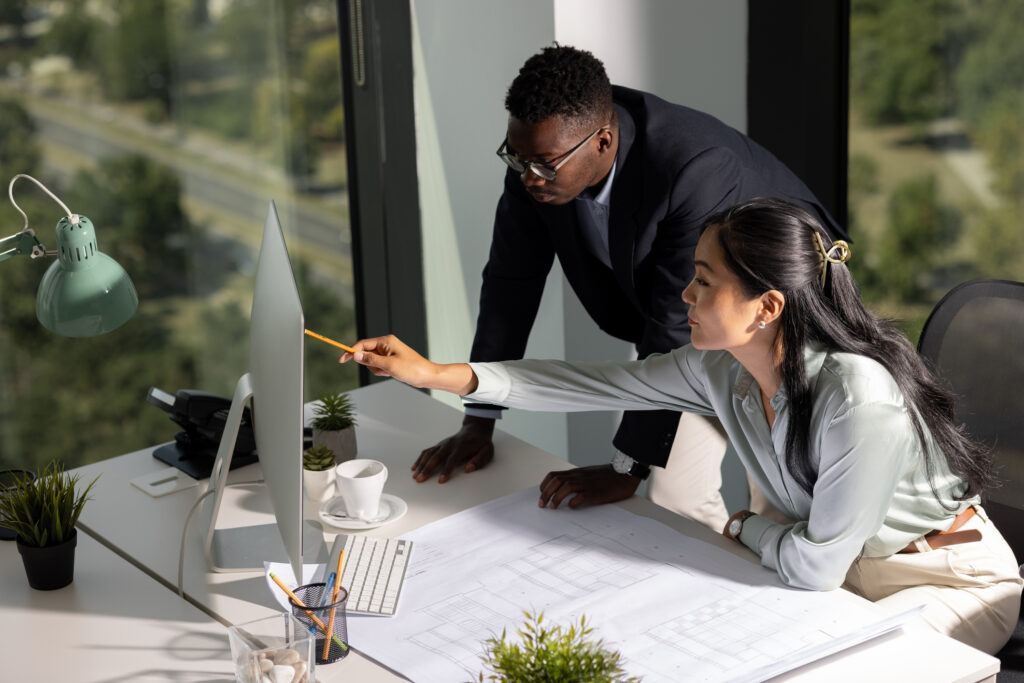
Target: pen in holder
<point>329,613</point>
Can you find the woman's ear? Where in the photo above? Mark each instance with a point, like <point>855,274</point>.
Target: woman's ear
<point>772,303</point>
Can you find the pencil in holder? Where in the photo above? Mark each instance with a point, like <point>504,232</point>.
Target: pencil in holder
<point>311,595</point>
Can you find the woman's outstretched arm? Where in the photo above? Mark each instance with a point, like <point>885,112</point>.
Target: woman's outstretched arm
<point>390,357</point>
<point>675,381</point>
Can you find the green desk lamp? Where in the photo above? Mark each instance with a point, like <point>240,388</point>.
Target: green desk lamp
<point>85,292</point>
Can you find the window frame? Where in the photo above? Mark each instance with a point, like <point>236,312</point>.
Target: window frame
<point>798,79</point>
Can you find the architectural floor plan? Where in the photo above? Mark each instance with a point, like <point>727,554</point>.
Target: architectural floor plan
<point>676,608</point>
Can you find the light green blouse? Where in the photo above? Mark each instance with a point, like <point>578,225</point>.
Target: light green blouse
<point>872,495</point>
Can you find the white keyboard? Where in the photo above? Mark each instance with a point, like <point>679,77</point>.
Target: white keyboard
<point>373,572</point>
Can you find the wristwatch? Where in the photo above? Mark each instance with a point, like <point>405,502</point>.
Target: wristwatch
<point>734,527</point>
<point>623,464</point>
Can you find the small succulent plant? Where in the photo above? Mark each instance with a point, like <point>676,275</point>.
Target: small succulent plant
<point>335,412</point>
<point>318,458</point>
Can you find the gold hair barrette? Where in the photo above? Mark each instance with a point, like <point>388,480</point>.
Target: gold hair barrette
<point>840,248</point>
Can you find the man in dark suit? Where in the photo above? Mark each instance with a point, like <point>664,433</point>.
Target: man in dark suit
<point>617,184</point>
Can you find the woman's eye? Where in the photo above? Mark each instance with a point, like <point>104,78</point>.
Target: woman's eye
<point>701,281</point>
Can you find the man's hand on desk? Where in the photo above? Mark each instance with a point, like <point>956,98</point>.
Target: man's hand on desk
<point>594,485</point>
<point>471,446</point>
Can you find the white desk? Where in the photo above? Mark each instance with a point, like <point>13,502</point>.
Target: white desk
<point>395,423</point>
<point>113,623</point>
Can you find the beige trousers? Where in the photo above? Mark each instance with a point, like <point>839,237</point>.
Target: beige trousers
<point>690,482</point>
<point>971,591</point>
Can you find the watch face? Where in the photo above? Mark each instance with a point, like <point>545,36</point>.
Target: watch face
<point>735,527</point>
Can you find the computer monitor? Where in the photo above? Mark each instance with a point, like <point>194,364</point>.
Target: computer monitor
<point>274,383</point>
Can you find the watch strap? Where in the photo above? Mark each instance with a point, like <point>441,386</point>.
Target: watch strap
<point>640,470</point>
<point>740,517</point>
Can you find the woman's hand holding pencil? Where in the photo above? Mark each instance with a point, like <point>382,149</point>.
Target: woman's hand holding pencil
<point>388,356</point>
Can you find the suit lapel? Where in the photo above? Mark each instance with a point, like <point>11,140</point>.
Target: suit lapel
<point>627,196</point>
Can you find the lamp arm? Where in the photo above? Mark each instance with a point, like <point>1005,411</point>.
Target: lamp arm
<point>22,243</point>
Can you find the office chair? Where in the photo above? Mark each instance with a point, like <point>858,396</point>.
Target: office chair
<point>974,339</point>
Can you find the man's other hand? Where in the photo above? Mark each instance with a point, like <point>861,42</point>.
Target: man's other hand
<point>471,446</point>
<point>594,485</point>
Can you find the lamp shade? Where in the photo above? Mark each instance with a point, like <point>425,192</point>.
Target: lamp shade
<point>84,292</point>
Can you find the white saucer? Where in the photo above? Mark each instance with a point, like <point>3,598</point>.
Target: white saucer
<point>392,508</point>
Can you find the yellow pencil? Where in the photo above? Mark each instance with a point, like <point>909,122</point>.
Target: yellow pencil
<point>334,599</point>
<point>312,616</point>
<point>326,340</point>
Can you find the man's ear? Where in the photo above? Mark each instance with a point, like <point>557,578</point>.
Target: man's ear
<point>605,140</point>
<point>772,303</point>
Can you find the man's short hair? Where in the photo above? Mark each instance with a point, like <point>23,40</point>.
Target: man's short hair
<point>561,81</point>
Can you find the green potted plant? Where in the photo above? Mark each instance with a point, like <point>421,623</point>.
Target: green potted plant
<point>552,655</point>
<point>334,425</point>
<point>318,472</point>
<point>42,513</point>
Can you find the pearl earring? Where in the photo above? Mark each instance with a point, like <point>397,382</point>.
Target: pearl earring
<point>761,325</point>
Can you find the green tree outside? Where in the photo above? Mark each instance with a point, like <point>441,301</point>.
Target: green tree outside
<point>19,151</point>
<point>920,231</point>
<point>940,84</point>
<point>247,84</point>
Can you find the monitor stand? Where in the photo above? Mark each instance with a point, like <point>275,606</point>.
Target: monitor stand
<point>245,549</point>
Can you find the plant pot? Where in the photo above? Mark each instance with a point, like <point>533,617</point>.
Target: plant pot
<point>50,567</point>
<point>318,484</point>
<point>342,442</point>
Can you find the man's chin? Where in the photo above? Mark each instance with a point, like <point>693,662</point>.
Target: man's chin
<point>548,198</point>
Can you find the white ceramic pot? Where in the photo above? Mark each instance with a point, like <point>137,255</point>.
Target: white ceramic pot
<point>342,442</point>
<point>318,485</point>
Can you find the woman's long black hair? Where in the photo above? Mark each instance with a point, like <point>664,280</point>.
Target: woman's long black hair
<point>769,244</point>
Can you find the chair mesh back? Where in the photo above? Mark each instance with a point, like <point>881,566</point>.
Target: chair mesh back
<point>975,341</point>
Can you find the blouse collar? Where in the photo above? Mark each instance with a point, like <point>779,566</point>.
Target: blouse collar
<point>814,359</point>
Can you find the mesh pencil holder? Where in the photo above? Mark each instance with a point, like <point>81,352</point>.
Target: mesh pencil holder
<point>331,617</point>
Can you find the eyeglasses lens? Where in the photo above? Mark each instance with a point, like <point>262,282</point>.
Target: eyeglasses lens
<point>520,166</point>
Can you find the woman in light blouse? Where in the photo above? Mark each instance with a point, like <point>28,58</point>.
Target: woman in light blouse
<point>831,410</point>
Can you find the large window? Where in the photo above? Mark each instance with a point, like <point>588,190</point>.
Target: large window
<point>936,175</point>
<point>170,124</point>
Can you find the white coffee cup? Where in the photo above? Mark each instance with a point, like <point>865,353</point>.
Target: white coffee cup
<point>360,483</point>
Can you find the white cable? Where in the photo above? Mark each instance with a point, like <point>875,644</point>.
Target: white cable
<point>10,194</point>
<point>184,532</point>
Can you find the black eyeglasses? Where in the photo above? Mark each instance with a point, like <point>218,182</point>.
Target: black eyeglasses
<point>545,171</point>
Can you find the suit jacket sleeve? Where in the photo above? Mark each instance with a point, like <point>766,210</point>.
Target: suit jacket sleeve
<point>513,279</point>
<point>710,183</point>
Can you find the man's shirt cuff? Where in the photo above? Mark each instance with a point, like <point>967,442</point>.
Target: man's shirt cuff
<point>487,412</point>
